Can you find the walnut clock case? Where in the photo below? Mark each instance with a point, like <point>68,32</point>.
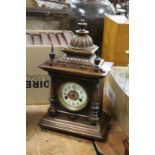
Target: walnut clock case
<point>76,96</point>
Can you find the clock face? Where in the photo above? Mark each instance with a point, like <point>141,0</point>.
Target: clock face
<point>72,96</point>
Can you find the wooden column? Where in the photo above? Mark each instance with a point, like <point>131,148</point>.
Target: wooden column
<point>52,99</point>
<point>94,112</point>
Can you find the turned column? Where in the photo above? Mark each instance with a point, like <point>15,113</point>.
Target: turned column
<point>95,107</point>
<point>52,99</point>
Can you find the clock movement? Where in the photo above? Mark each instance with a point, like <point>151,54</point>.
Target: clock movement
<point>76,96</point>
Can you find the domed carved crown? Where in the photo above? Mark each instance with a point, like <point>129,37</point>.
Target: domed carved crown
<point>81,43</point>
<point>81,38</point>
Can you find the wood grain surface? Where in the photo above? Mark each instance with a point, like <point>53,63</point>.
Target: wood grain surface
<point>116,40</point>
<point>45,142</point>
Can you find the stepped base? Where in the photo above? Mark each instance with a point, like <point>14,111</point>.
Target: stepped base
<point>79,127</point>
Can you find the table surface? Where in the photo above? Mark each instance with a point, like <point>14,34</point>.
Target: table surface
<point>44,142</point>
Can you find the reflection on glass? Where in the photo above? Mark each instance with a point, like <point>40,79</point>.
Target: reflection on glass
<point>95,11</point>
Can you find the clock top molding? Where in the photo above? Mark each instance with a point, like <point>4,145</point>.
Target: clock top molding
<point>81,57</point>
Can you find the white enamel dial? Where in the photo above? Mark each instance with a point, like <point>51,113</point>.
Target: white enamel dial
<point>72,96</point>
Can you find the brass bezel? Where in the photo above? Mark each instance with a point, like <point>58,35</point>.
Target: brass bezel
<point>63,103</point>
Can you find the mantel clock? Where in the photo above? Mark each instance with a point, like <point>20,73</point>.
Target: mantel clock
<point>76,95</point>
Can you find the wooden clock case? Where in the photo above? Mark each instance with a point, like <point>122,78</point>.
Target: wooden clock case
<point>81,65</point>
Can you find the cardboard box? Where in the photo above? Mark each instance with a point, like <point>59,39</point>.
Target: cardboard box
<point>117,84</point>
<point>116,40</point>
<point>37,80</point>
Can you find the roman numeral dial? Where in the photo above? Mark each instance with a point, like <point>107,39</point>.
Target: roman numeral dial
<point>72,96</point>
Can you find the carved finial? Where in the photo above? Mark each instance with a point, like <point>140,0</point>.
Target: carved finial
<point>97,59</point>
<point>82,21</point>
<point>52,53</point>
<point>82,24</point>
